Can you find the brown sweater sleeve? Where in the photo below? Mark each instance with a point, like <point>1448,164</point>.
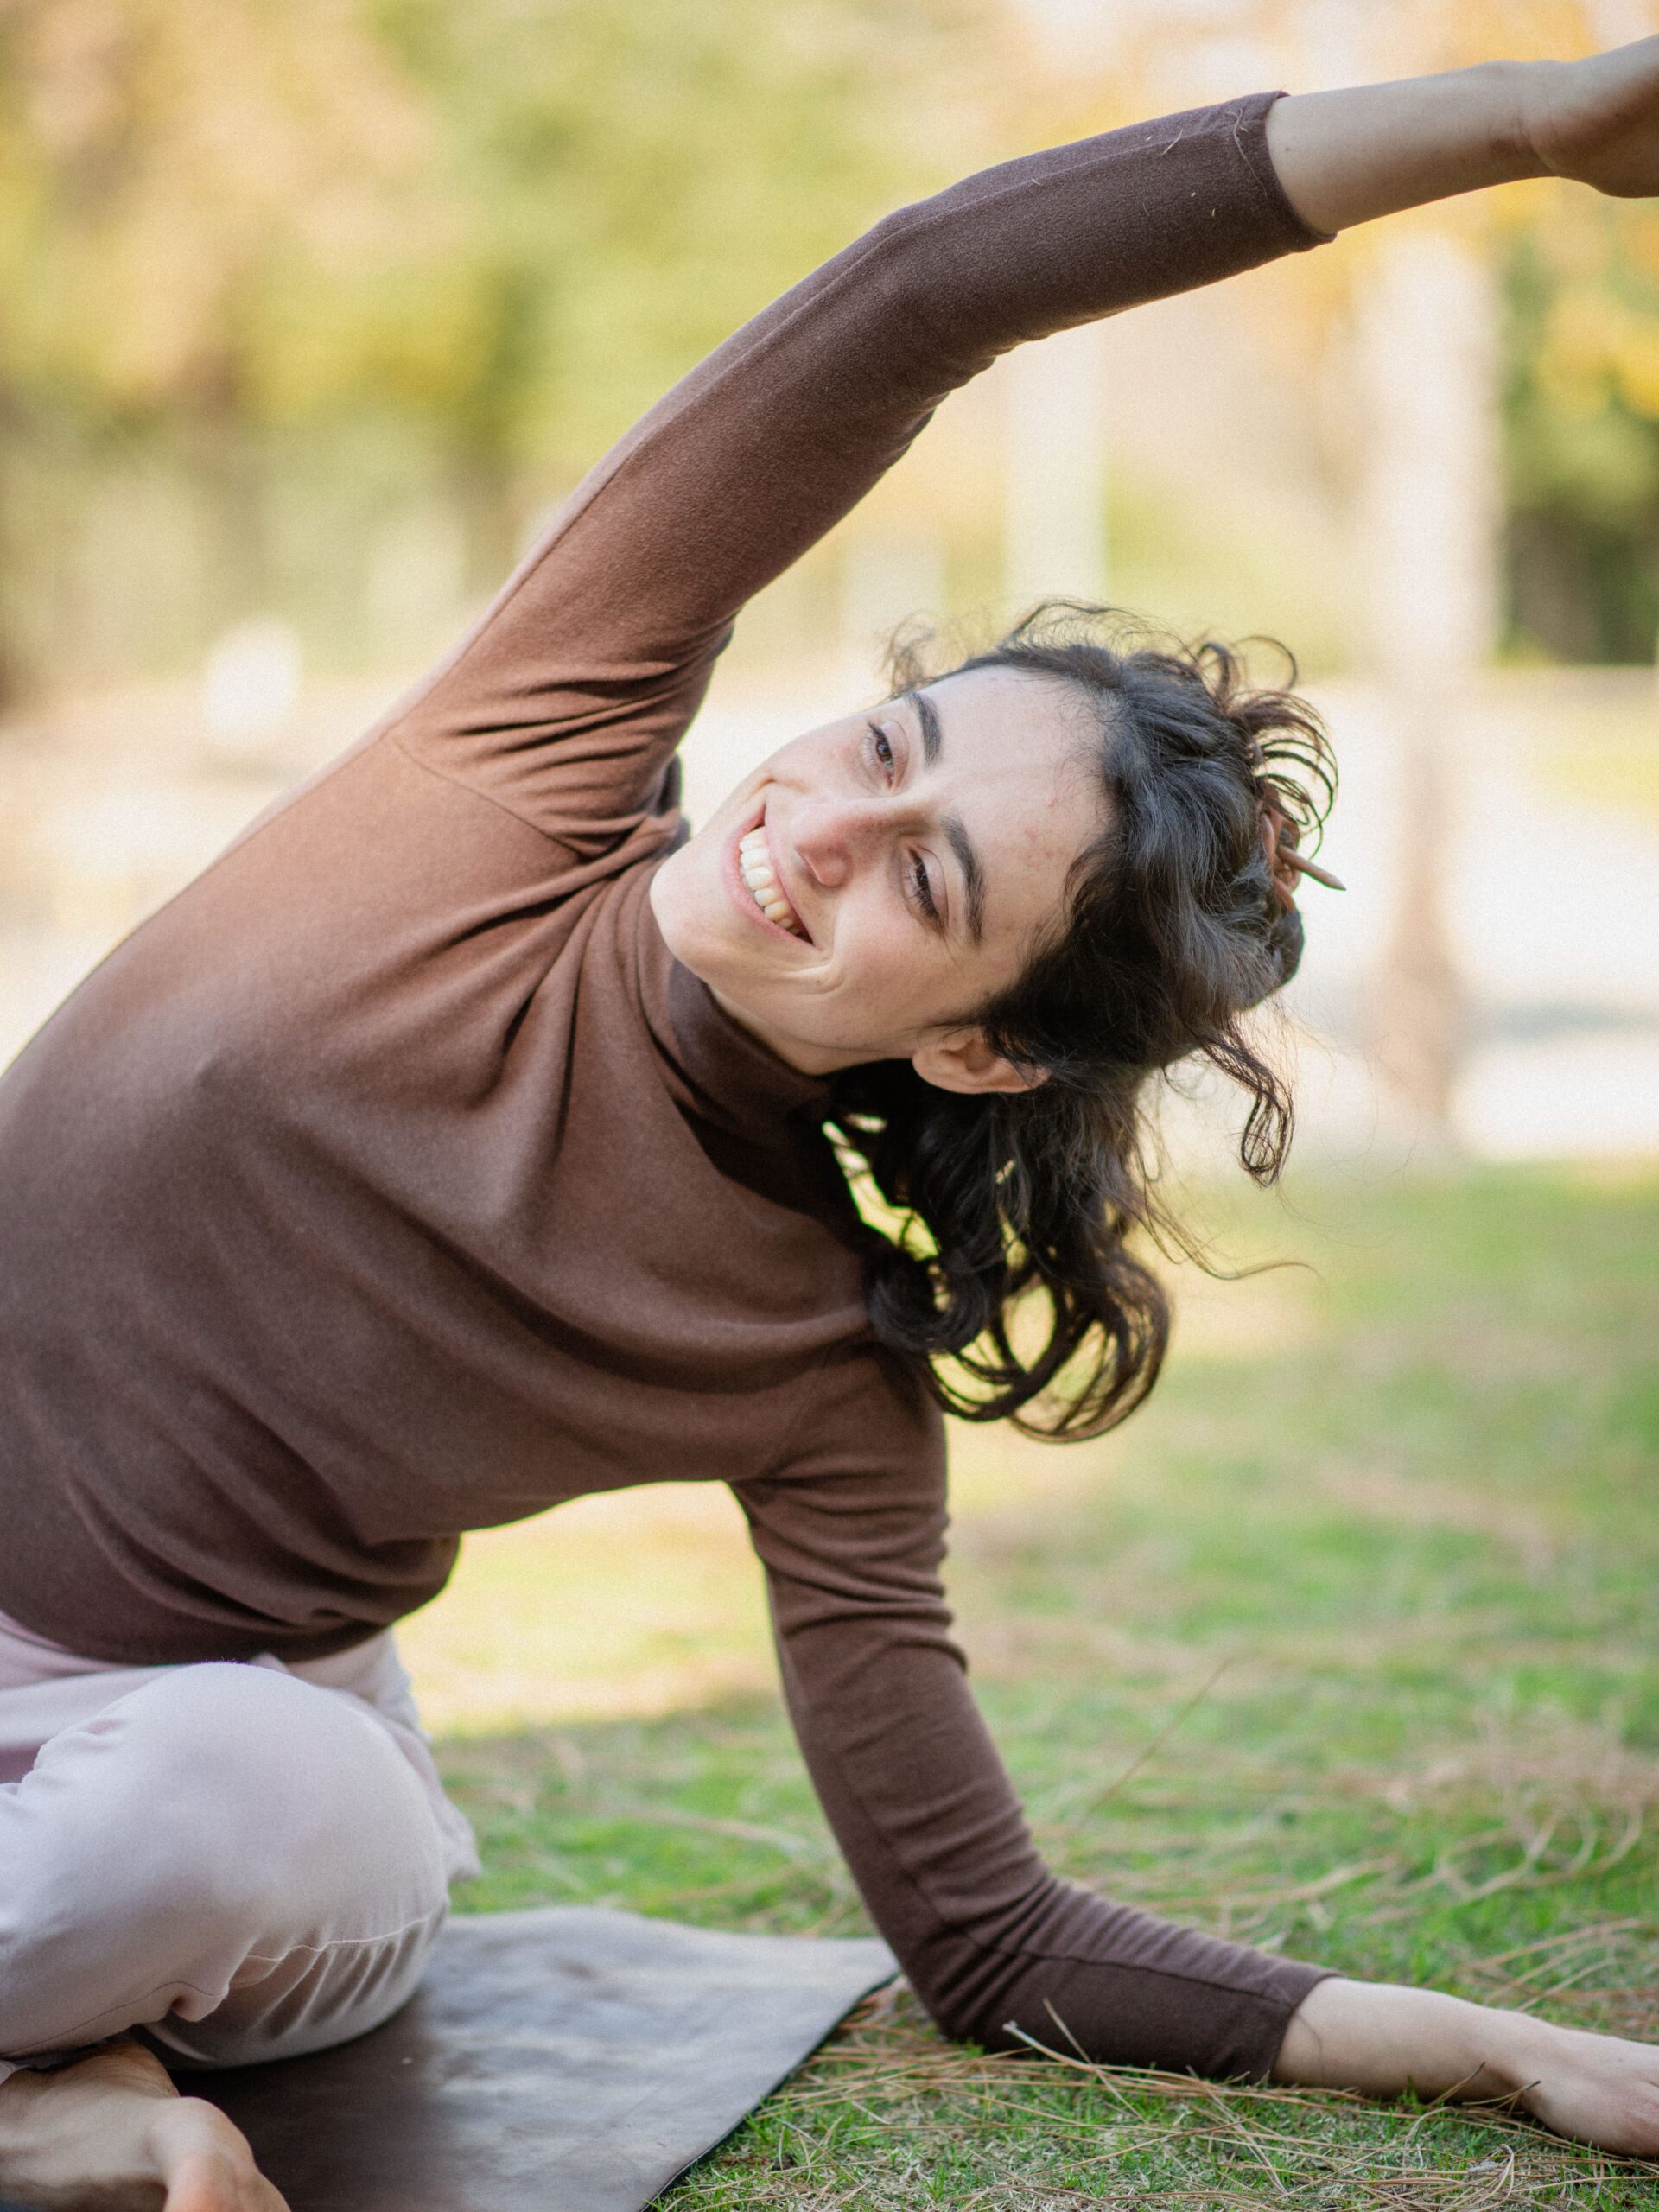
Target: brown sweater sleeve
<point>852,1536</point>
<point>566,703</point>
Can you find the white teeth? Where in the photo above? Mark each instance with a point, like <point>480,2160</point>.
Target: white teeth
<point>760,881</point>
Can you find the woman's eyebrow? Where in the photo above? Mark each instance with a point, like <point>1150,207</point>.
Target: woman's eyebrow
<point>973,875</point>
<point>932,733</point>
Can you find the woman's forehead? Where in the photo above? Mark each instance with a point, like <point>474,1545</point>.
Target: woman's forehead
<point>988,708</point>
<point>1010,768</point>
<point>1031,743</point>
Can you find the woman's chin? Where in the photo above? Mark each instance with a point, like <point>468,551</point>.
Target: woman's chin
<point>707,944</point>
<point>692,915</point>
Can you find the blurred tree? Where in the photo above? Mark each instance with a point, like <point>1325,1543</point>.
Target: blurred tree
<point>157,163</point>
<point>1582,419</point>
<point>317,256</point>
<point>151,158</point>
<point>626,186</point>
<point>498,230</point>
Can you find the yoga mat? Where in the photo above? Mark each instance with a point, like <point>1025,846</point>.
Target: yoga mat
<point>564,2060</point>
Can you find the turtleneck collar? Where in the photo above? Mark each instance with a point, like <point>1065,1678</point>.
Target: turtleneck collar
<point>714,1068</point>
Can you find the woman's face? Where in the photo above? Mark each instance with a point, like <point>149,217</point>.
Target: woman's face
<point>911,858</point>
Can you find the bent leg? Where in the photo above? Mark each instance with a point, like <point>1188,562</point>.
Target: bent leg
<point>241,1865</point>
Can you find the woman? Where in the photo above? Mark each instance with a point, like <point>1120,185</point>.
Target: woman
<point>456,1145</point>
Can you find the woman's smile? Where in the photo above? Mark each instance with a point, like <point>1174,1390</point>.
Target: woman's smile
<point>759,874</point>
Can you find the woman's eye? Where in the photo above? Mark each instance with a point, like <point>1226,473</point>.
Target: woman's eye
<point>881,745</point>
<point>923,889</point>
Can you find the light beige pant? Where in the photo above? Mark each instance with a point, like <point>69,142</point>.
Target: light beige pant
<point>241,1862</point>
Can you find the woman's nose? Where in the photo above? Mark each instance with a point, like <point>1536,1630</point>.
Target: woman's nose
<point>832,836</point>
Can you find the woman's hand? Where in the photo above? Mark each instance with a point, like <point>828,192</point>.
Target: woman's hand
<point>1598,121</point>
<point>1382,2039</point>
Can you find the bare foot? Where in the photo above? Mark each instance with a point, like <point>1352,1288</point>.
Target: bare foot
<point>110,2133</point>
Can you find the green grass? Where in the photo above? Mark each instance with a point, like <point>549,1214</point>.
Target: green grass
<point>1345,1646</point>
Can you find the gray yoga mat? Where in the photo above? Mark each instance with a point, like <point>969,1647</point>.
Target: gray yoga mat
<point>565,2060</point>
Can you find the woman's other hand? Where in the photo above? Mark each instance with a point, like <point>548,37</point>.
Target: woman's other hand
<point>1598,121</point>
<point>1384,2039</point>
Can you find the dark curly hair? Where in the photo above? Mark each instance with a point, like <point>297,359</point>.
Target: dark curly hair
<point>1174,926</point>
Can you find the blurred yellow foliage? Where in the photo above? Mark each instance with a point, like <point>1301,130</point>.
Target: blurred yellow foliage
<point>1599,325</point>
<point>148,152</point>
<point>486,233</point>
<point>1635,365</point>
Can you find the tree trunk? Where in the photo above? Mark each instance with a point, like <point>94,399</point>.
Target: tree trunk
<point>1430,507</point>
<point>1055,496</point>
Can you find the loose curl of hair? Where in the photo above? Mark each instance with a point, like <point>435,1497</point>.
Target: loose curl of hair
<point>1170,930</point>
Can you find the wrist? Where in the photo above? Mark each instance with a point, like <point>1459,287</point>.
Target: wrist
<point>1385,2038</point>
<point>1514,2047</point>
<point>1534,90</point>
<point>1345,157</point>
<point>1519,96</point>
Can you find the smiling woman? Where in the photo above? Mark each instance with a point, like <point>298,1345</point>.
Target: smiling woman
<point>467,1139</point>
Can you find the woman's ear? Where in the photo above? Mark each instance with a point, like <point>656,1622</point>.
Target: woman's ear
<point>964,1060</point>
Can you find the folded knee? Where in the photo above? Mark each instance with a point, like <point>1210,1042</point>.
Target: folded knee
<point>223,1791</point>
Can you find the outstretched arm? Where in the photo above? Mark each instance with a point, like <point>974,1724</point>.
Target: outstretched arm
<point>1345,157</point>
<point>998,1948</point>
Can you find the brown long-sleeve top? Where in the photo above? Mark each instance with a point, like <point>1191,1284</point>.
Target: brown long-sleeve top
<point>395,1181</point>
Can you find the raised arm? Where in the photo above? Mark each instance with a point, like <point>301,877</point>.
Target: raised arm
<point>568,700</point>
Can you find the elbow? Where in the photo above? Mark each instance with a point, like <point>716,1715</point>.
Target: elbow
<point>956,2022</point>
<point>966,1997</point>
